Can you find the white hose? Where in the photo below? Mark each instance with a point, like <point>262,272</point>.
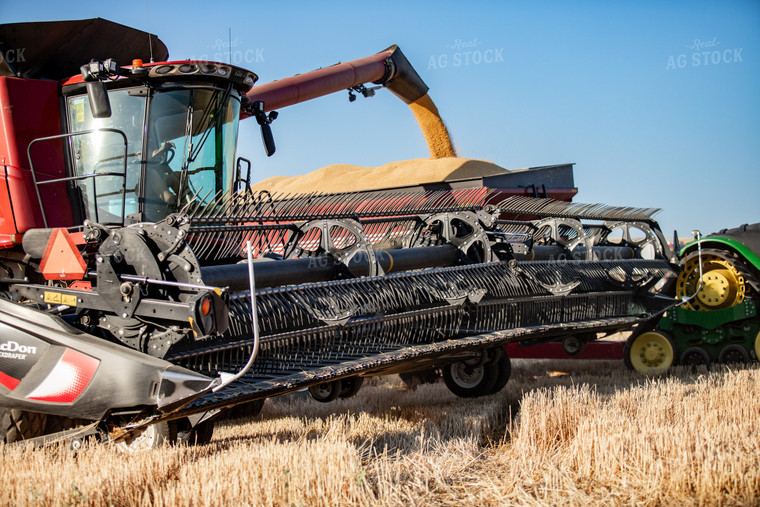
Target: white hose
<point>228,378</point>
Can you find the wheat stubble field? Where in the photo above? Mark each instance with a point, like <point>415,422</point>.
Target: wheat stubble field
<point>560,433</point>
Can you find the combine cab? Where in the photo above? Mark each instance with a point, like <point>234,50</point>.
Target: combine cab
<point>146,289</point>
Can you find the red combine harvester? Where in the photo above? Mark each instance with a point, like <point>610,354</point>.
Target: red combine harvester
<point>146,289</point>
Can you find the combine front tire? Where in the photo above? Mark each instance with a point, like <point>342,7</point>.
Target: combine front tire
<point>650,353</point>
<point>19,425</point>
<point>199,434</point>
<point>247,410</point>
<point>148,438</point>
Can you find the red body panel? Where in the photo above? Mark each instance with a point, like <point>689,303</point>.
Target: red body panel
<point>29,109</point>
<point>553,350</point>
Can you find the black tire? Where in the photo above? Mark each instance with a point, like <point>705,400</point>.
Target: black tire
<point>695,356</point>
<point>200,434</point>
<point>413,379</point>
<point>57,423</point>
<point>326,392</point>
<point>349,386</point>
<point>468,381</point>
<point>504,370</point>
<point>18,425</point>
<point>247,410</point>
<point>734,354</point>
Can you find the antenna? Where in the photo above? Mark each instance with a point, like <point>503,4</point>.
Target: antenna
<point>150,40</point>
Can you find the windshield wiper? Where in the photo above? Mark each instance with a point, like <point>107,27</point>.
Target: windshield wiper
<point>208,115</point>
<point>211,112</point>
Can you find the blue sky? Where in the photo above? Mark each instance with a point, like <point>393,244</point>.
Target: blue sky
<point>657,103</point>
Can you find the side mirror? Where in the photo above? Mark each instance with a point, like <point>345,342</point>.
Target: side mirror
<point>93,74</point>
<point>268,139</point>
<point>257,109</point>
<point>98,96</point>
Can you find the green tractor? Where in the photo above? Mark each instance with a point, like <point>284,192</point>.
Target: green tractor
<point>719,284</point>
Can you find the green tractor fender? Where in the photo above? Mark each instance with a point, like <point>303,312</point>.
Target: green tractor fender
<point>743,240</point>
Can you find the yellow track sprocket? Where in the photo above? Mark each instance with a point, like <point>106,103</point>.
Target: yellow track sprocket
<point>722,284</point>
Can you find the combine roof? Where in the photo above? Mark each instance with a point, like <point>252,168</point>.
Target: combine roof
<point>57,49</point>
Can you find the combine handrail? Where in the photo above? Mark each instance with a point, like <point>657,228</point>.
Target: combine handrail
<point>81,177</point>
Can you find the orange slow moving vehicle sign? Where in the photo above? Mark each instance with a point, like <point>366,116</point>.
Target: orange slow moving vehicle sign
<point>62,260</point>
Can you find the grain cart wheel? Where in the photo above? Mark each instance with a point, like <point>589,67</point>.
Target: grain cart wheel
<point>734,354</point>
<point>471,378</point>
<point>504,370</point>
<point>695,356</point>
<point>413,379</point>
<point>148,438</point>
<point>326,392</point>
<point>652,352</point>
<point>18,425</point>
<point>757,346</point>
<point>573,345</point>
<point>349,386</point>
